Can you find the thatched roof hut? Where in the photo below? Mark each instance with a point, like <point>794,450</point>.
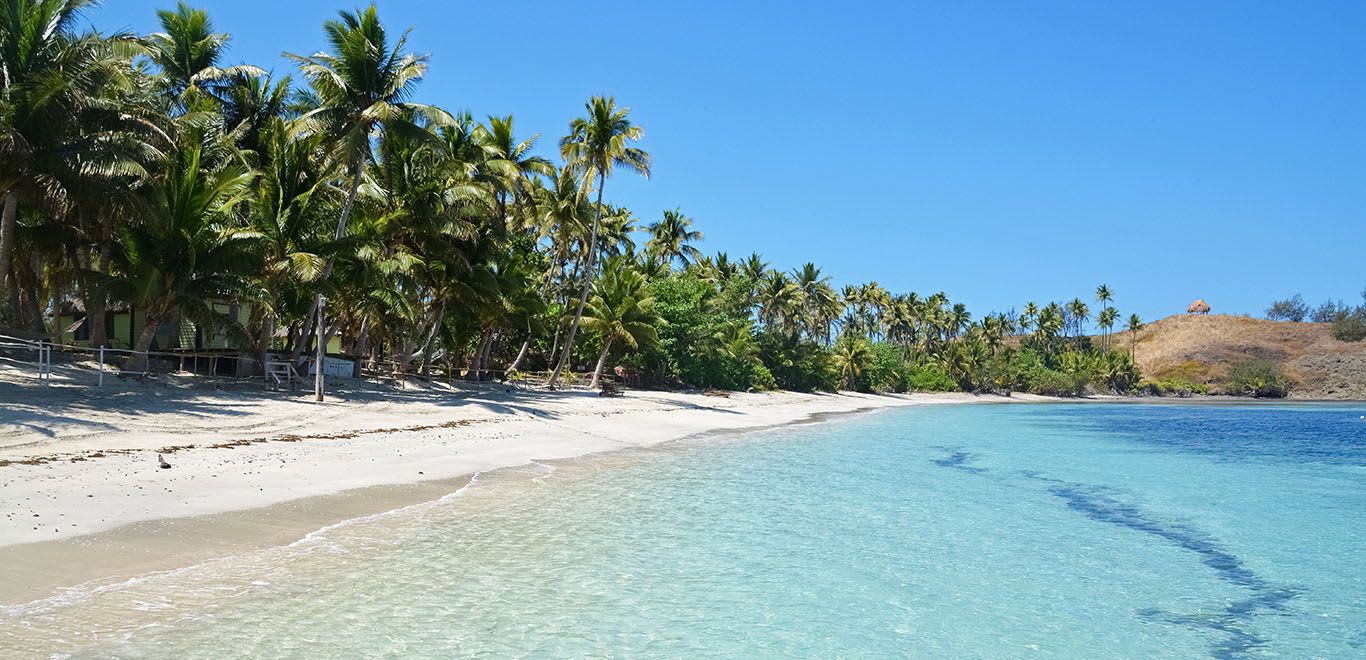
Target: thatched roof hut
<point>1198,307</point>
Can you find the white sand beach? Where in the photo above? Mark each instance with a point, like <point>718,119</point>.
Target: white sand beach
<point>83,494</point>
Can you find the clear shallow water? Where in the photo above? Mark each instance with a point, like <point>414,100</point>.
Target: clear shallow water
<point>1069,531</point>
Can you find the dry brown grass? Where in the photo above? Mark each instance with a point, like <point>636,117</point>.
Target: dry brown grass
<point>1199,348</point>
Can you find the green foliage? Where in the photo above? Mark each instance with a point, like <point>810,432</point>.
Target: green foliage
<point>1051,382</point>
<point>1259,378</point>
<point>1289,309</point>
<point>928,379</point>
<point>1172,387</point>
<point>704,341</point>
<point>886,369</point>
<point>853,356</point>
<point>798,364</point>
<point>178,186</point>
<point>1350,326</point>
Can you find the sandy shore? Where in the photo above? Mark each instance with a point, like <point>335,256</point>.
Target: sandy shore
<point>82,496</point>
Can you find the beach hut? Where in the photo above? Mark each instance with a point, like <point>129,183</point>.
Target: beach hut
<point>1198,307</point>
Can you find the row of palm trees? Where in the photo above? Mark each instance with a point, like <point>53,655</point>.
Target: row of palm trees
<point>142,171</point>
<point>139,170</point>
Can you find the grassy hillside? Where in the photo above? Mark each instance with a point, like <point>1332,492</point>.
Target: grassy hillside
<point>1201,348</point>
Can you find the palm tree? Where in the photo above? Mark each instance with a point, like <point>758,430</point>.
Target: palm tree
<point>779,299</point>
<point>1106,320</point>
<point>718,269</point>
<point>852,356</point>
<point>1135,324</point>
<point>672,237</point>
<point>360,86</point>
<point>187,52</point>
<point>56,87</point>
<point>621,309</point>
<point>1028,316</point>
<point>250,106</point>
<point>287,212</point>
<point>186,254</point>
<point>1103,296</point>
<point>754,267</point>
<point>820,304</point>
<point>959,320</point>
<point>596,145</point>
<point>1078,313</point>
<point>511,161</point>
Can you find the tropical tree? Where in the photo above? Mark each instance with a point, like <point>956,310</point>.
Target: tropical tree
<point>853,355</point>
<point>286,212</point>
<point>1103,296</point>
<point>820,304</point>
<point>1134,325</point>
<point>596,145</point>
<point>779,299</point>
<point>67,115</point>
<point>511,160</point>
<point>621,310</point>
<point>1077,315</point>
<point>360,86</point>
<point>187,51</point>
<point>187,254</point>
<point>1106,320</point>
<point>672,238</point>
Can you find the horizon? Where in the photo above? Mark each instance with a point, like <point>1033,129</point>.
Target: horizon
<point>1173,153</point>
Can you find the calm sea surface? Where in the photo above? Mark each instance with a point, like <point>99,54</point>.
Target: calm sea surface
<point>1004,531</point>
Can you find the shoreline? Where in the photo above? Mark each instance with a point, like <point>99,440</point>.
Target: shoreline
<point>117,515</point>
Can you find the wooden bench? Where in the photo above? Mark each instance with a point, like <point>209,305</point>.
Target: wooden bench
<point>608,388</point>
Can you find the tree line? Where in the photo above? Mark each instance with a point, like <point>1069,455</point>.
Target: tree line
<point>141,171</point>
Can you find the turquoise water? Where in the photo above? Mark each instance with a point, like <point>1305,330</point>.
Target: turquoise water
<point>1051,531</point>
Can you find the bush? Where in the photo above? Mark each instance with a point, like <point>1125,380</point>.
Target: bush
<point>1329,311</point>
<point>798,364</point>
<point>885,371</point>
<point>761,379</point>
<point>1172,387</point>
<point>1350,327</point>
<point>1289,309</point>
<point>928,379</point>
<point>1258,378</point>
<point>1051,382</point>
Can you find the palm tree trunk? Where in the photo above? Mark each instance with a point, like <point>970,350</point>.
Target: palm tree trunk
<point>7,221</point>
<point>150,323</point>
<point>481,357</point>
<point>301,343</point>
<point>555,343</point>
<point>358,349</point>
<point>96,306</point>
<point>602,360</point>
<point>94,319</point>
<point>472,364</point>
<point>33,312</point>
<point>431,339</point>
<point>521,353</point>
<point>587,282</point>
<point>267,337</point>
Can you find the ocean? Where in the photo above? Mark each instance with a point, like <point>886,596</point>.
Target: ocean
<point>1089,530</point>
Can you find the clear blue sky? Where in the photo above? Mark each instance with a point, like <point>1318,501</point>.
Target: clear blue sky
<point>998,151</point>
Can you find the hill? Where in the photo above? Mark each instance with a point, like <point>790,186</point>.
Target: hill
<point>1200,348</point>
